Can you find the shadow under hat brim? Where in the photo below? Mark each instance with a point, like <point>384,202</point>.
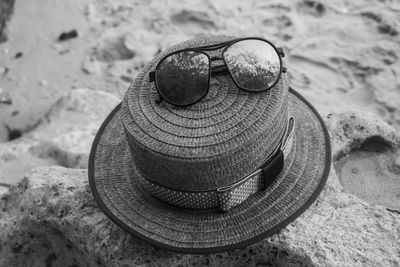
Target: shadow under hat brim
<point>113,179</point>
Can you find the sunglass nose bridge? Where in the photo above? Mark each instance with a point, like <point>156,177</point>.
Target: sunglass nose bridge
<point>215,58</point>
<point>218,69</point>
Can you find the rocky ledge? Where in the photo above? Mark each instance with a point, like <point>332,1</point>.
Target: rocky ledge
<point>50,218</point>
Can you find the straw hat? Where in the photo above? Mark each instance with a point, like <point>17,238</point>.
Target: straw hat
<point>154,169</point>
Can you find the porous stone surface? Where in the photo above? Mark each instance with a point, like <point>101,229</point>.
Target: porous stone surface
<point>51,219</point>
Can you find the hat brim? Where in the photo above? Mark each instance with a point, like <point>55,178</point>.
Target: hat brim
<point>113,179</point>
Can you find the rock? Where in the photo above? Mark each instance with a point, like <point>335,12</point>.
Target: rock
<point>67,35</point>
<point>67,131</point>
<point>366,152</point>
<point>18,54</point>
<point>13,133</point>
<point>54,205</point>
<point>200,19</point>
<point>372,173</point>
<point>6,10</point>
<point>63,137</point>
<point>40,242</point>
<point>349,130</point>
<point>16,159</point>
<point>3,189</point>
<point>51,217</point>
<point>113,49</point>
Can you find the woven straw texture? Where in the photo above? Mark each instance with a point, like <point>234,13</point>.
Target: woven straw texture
<point>229,126</point>
<point>210,144</point>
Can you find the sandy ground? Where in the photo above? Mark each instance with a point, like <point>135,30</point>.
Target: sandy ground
<point>341,55</point>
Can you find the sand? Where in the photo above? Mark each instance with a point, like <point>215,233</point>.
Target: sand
<point>341,55</point>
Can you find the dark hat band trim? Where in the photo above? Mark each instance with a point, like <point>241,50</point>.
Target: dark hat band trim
<point>222,199</point>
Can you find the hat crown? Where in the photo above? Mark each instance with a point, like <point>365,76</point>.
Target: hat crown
<point>211,144</point>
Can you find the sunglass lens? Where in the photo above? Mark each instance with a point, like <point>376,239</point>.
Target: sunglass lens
<point>254,64</point>
<point>183,78</point>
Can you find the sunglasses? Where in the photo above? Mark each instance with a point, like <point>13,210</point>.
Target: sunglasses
<point>183,77</point>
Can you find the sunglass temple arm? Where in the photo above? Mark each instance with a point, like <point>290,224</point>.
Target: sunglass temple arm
<point>213,46</point>
<point>280,51</point>
<point>152,78</point>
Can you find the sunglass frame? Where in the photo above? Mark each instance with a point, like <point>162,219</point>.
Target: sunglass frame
<point>225,45</point>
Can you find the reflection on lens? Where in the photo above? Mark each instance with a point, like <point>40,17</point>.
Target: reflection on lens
<point>182,78</point>
<point>254,64</point>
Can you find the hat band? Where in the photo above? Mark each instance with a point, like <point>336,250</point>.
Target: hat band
<point>229,196</point>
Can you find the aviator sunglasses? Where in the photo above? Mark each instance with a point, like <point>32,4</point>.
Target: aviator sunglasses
<point>183,77</point>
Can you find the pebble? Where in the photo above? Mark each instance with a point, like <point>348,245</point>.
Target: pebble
<point>68,35</point>
<point>19,54</point>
